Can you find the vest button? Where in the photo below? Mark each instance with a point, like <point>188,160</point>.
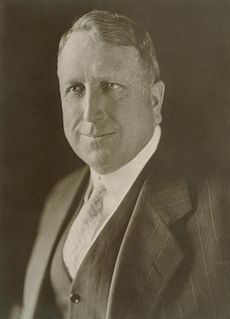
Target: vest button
<point>75,298</point>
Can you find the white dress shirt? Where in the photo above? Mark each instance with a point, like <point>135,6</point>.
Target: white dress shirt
<point>119,182</point>
<point>117,185</point>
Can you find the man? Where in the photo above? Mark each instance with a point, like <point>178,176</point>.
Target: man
<point>127,235</point>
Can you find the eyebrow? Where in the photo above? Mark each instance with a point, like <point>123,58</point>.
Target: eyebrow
<point>102,78</point>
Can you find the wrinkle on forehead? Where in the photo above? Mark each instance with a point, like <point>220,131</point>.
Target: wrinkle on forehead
<point>86,58</point>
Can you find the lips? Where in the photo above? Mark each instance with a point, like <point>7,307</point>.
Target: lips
<point>99,135</point>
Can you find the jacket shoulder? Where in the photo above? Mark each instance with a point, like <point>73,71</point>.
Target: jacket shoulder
<point>63,193</point>
<point>67,183</point>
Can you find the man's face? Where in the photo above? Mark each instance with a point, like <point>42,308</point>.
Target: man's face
<point>109,111</point>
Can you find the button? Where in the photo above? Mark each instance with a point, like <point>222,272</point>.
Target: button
<point>75,298</point>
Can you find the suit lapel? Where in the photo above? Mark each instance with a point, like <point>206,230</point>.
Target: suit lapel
<point>149,254</point>
<point>55,214</point>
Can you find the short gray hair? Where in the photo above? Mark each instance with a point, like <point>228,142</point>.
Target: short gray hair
<point>118,30</point>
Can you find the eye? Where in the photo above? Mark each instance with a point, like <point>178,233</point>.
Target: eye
<point>107,86</point>
<point>77,89</point>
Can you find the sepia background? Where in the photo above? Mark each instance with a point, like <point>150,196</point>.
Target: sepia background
<point>192,40</point>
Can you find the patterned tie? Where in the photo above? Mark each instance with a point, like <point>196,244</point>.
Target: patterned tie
<point>83,230</point>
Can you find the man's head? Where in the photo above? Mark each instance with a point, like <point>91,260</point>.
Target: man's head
<point>110,89</point>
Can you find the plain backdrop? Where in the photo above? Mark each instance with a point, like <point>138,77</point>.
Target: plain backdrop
<point>192,40</point>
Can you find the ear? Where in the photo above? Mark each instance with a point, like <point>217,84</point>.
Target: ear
<point>157,97</point>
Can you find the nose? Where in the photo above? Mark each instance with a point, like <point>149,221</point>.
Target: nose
<point>93,109</point>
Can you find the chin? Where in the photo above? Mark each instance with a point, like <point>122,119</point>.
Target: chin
<point>100,161</point>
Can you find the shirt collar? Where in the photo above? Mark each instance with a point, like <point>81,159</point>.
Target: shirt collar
<point>119,182</point>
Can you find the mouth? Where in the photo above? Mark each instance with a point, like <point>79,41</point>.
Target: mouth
<point>98,136</point>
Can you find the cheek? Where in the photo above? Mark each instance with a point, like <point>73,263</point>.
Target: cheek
<point>71,113</point>
<point>136,119</point>
<point>117,106</point>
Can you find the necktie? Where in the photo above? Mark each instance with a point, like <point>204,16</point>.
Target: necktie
<point>83,230</point>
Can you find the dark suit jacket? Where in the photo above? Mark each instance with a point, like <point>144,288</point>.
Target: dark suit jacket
<point>174,260</point>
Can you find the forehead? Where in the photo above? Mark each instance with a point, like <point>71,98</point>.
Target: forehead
<point>84,55</point>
